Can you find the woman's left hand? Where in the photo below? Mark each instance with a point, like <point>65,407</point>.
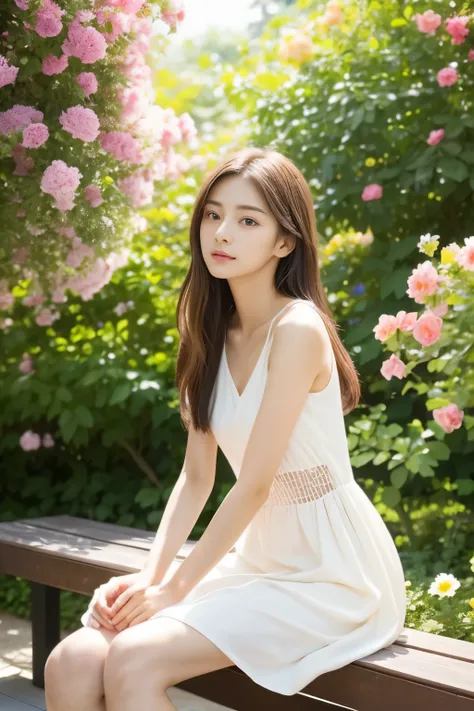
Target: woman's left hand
<point>133,607</point>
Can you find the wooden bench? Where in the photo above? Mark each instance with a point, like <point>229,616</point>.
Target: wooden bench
<point>65,553</point>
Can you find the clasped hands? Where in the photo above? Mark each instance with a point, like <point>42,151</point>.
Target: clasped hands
<point>127,600</point>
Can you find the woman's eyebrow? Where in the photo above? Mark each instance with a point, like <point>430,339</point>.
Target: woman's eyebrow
<point>239,207</point>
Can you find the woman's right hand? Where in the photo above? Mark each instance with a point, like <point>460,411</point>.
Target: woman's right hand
<point>98,612</point>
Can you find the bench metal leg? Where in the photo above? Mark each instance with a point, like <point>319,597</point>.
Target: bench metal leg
<point>45,627</point>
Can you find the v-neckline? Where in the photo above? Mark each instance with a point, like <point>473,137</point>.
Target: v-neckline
<point>226,363</point>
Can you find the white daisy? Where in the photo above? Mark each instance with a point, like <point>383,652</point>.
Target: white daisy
<point>444,585</point>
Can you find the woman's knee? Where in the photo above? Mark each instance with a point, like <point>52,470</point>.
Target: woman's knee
<point>80,657</point>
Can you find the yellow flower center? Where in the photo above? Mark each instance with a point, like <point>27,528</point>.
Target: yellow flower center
<point>444,586</point>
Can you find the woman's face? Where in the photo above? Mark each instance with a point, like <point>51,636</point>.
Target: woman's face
<point>237,220</point>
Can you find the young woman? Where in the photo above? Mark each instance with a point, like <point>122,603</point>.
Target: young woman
<point>296,574</point>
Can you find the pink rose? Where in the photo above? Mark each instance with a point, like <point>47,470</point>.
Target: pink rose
<point>423,282</point>
<point>427,329</point>
<point>26,365</point>
<point>386,326</point>
<point>393,367</point>
<point>30,441</point>
<point>48,441</point>
<point>449,417</point>
<point>465,256</point>
<point>456,27</point>
<point>435,137</point>
<point>441,309</point>
<point>447,76</point>
<point>372,192</point>
<point>406,322</point>
<point>428,22</point>
<point>470,55</point>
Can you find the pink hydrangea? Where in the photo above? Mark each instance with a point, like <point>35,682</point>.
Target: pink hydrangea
<point>30,441</point>
<point>48,19</point>
<point>129,6</point>
<point>449,417</point>
<point>34,299</point>
<point>26,365</point>
<point>465,256</point>
<point>85,43</point>
<point>88,82</point>
<point>137,188</point>
<point>24,163</point>
<point>46,317</point>
<point>435,137</point>
<point>447,76</point>
<point>7,73</point>
<point>187,127</point>
<point>84,15</point>
<point>61,181</point>
<point>35,135</point>
<point>422,282</point>
<point>174,12</point>
<point>94,195</point>
<point>54,65</point>
<point>22,4</point>
<point>78,253</point>
<point>372,192</point>
<point>121,22</point>
<point>427,329</point>
<point>48,441</point>
<point>122,145</point>
<point>456,27</point>
<point>134,103</point>
<point>393,367</point>
<point>428,22</point>
<point>80,123</point>
<point>6,298</point>
<point>18,117</point>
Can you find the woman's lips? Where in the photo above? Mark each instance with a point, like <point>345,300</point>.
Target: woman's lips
<point>221,258</point>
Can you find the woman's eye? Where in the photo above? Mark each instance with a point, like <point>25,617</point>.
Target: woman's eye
<point>208,214</point>
<point>251,220</point>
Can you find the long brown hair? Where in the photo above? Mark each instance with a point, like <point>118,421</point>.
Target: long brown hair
<point>206,304</point>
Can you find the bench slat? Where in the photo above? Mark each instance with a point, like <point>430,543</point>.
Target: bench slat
<point>437,644</point>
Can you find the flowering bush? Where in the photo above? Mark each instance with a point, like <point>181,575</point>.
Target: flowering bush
<point>82,144</point>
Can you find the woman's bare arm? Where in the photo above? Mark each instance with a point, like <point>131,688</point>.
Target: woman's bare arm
<point>185,504</point>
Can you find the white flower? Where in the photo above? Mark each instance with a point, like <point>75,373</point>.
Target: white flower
<point>428,244</point>
<point>444,585</point>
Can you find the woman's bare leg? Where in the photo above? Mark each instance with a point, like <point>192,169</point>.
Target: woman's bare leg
<point>74,671</point>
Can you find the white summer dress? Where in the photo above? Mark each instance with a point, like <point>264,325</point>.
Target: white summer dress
<point>315,581</point>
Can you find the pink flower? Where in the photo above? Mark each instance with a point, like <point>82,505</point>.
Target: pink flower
<point>48,19</point>
<point>427,329</point>
<point>130,6</point>
<point>7,73</point>
<point>94,195</point>
<point>48,441</point>
<point>80,123</point>
<point>122,145</point>
<point>441,309</point>
<point>84,15</point>
<point>449,417</point>
<point>447,76</point>
<point>138,188</point>
<point>46,317</point>
<point>26,366</point>
<point>465,256</point>
<point>34,299</point>
<point>386,327</point>
<point>393,367</point>
<point>22,4</point>
<point>405,322</point>
<point>88,82</point>
<point>78,253</point>
<point>174,12</point>
<point>35,135</point>
<point>20,254</point>
<point>428,22</point>
<point>61,181</point>
<point>435,137</point>
<point>423,282</point>
<point>187,127</point>
<point>54,65</point>
<point>372,192</point>
<point>85,43</point>
<point>456,27</point>
<point>17,117</point>
<point>470,55</point>
<point>121,22</point>
<point>30,441</point>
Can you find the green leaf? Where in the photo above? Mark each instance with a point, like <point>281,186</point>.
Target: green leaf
<point>363,458</point>
<point>435,402</point>
<point>120,393</point>
<point>357,118</point>
<point>465,486</point>
<point>84,416</point>
<point>440,450</point>
<point>391,496</point>
<point>381,457</point>
<point>398,477</point>
<point>454,169</point>
<point>398,22</point>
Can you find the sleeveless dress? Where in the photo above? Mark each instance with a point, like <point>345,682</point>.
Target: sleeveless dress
<point>315,581</point>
